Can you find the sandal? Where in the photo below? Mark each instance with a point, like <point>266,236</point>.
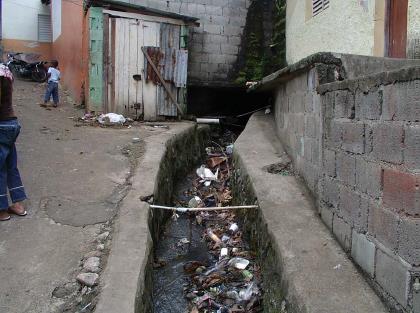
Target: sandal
<point>11,210</point>
<point>5,217</point>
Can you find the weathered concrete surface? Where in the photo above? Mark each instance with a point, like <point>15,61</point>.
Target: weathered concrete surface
<point>316,274</point>
<point>73,176</point>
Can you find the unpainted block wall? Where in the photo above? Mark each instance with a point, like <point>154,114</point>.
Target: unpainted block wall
<point>215,44</point>
<point>357,146</point>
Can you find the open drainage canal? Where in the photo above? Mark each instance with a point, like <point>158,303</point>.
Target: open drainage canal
<point>202,261</point>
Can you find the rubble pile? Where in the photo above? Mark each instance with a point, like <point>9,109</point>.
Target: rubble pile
<point>231,281</point>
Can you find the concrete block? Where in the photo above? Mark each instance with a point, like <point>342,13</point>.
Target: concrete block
<point>327,104</point>
<point>401,191</point>
<point>409,244</point>
<point>307,148</point>
<point>311,175</point>
<point>344,104</point>
<point>368,177</point>
<point>201,9</point>
<point>333,134</point>
<point>402,101</point>
<point>330,191</point>
<point>363,252</point>
<point>231,30</point>
<point>213,10</point>
<point>235,40</point>
<point>342,232</point>
<point>327,215</point>
<point>393,276</point>
<point>229,49</point>
<point>237,3</point>
<point>213,29</point>
<point>412,147</point>
<point>329,162</point>
<point>388,142</point>
<point>368,105</point>
<point>215,38</point>
<point>310,126</point>
<point>346,168</point>
<point>384,225</point>
<point>216,58</point>
<point>349,205</point>
<point>416,301</point>
<point>361,221</point>
<point>353,137</point>
<point>212,48</point>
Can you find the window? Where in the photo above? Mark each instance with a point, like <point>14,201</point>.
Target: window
<point>319,5</point>
<point>44,28</point>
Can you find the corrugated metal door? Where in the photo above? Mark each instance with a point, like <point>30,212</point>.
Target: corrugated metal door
<point>169,43</point>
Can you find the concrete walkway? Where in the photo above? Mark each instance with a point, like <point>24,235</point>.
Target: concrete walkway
<point>75,178</point>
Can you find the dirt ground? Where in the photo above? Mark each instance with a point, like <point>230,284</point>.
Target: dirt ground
<point>75,178</point>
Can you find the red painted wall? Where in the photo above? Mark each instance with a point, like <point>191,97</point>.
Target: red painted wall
<point>68,49</point>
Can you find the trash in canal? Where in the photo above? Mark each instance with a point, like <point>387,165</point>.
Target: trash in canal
<point>202,262</point>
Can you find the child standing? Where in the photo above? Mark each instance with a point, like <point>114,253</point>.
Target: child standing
<point>52,88</point>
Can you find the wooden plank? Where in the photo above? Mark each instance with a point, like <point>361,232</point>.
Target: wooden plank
<point>149,18</point>
<point>162,81</point>
<point>117,65</point>
<point>150,38</point>
<point>132,66</point>
<point>96,72</point>
<point>106,62</point>
<point>140,67</point>
<point>112,66</point>
<point>125,69</point>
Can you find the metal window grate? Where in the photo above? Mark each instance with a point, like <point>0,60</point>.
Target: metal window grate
<point>44,28</point>
<point>319,5</point>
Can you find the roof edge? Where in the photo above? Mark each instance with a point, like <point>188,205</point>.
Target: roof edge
<point>140,8</point>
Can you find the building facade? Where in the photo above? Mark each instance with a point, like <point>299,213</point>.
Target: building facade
<point>26,27</point>
<point>384,28</point>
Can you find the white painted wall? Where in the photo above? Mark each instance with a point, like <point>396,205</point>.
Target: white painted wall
<point>347,26</point>
<point>20,18</point>
<point>56,18</point>
<point>413,24</point>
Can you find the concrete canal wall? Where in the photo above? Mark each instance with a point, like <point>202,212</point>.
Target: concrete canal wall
<point>351,126</point>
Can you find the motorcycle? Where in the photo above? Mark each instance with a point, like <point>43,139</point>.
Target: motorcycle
<point>22,69</point>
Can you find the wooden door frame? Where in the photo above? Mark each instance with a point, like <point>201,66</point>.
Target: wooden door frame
<point>387,44</point>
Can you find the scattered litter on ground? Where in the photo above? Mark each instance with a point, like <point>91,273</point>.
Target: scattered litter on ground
<point>111,118</point>
<point>228,280</point>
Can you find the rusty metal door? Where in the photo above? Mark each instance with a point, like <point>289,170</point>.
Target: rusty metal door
<point>397,28</point>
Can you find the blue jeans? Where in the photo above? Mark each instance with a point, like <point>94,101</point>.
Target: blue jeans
<point>52,89</point>
<point>9,173</point>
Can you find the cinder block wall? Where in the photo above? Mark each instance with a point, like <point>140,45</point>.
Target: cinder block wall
<point>214,46</point>
<point>356,143</point>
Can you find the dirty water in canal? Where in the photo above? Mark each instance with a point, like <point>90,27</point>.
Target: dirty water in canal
<point>202,262</point>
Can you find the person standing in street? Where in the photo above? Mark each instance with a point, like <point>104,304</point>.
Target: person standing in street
<point>9,130</point>
<point>54,76</point>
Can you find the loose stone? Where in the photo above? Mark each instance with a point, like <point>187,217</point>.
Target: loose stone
<point>92,264</point>
<point>88,279</point>
<point>103,236</point>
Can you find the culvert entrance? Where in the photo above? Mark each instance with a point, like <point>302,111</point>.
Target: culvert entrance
<point>202,260</point>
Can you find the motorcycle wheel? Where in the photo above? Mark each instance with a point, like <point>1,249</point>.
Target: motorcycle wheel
<point>14,70</point>
<point>39,75</point>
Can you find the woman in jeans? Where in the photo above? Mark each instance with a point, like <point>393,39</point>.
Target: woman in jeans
<point>9,131</point>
